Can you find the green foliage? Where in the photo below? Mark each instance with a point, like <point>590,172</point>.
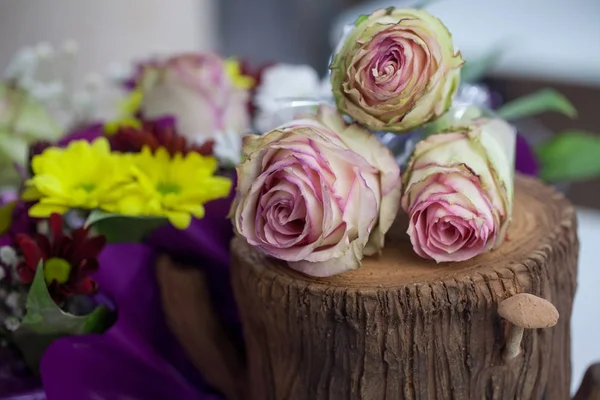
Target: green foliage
<point>570,156</point>
<point>119,228</point>
<point>361,18</point>
<point>546,100</point>
<point>45,322</point>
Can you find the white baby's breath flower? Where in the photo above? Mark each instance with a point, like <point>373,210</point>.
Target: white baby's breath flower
<point>47,90</point>
<point>70,47</point>
<point>93,81</point>
<point>228,148</point>
<point>118,72</point>
<point>12,301</point>
<point>22,65</point>
<point>44,50</point>
<point>8,256</point>
<point>43,228</point>
<point>11,323</point>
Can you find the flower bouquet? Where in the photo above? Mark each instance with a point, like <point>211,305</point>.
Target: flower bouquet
<point>114,236</point>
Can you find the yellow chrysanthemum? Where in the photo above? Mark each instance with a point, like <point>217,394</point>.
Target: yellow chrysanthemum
<point>233,69</point>
<point>83,175</point>
<point>174,187</point>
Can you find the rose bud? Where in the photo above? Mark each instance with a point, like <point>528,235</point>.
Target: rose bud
<point>396,70</point>
<point>459,190</point>
<point>317,193</point>
<point>198,91</point>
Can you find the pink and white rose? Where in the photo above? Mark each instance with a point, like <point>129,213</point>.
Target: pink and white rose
<point>197,90</point>
<point>317,193</point>
<point>396,70</point>
<point>458,190</point>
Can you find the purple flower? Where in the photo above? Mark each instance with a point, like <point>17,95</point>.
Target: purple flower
<point>89,133</point>
<point>525,159</point>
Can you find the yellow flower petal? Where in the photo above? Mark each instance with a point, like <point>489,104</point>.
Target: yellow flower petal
<point>40,210</point>
<point>30,193</point>
<point>180,220</point>
<point>233,69</point>
<point>82,175</point>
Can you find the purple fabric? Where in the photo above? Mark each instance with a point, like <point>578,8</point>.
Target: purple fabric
<point>16,380</point>
<point>525,160</point>
<point>137,358</point>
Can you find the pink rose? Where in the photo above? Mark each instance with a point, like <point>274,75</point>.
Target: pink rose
<point>396,70</point>
<point>199,92</point>
<point>459,191</point>
<point>317,193</point>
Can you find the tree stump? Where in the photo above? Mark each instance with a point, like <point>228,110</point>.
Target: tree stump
<point>402,327</point>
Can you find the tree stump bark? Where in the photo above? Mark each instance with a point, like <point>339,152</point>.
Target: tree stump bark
<point>402,327</point>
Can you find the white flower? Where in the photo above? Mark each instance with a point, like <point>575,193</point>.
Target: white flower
<point>287,90</point>
<point>12,301</point>
<point>8,256</point>
<point>228,148</point>
<point>70,47</point>
<point>285,81</point>
<point>43,228</point>
<point>11,323</point>
<point>23,64</point>
<point>44,50</point>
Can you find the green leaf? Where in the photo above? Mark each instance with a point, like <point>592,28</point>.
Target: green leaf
<point>475,70</point>
<point>570,156</point>
<point>361,18</point>
<point>45,322</point>
<point>118,228</point>
<point>545,100</point>
<point>6,212</point>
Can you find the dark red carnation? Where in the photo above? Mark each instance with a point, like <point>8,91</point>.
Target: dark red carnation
<point>69,259</point>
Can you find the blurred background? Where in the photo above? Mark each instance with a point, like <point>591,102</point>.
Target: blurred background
<point>545,43</point>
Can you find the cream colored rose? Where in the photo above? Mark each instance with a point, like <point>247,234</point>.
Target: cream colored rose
<point>198,92</point>
<point>459,190</point>
<point>396,70</point>
<point>317,193</point>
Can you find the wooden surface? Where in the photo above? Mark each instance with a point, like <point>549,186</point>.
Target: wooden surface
<point>404,328</point>
<point>192,319</point>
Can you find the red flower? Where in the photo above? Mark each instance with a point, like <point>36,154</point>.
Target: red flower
<point>154,135</point>
<point>68,259</point>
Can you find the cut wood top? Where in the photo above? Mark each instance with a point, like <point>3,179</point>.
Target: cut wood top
<point>541,217</point>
